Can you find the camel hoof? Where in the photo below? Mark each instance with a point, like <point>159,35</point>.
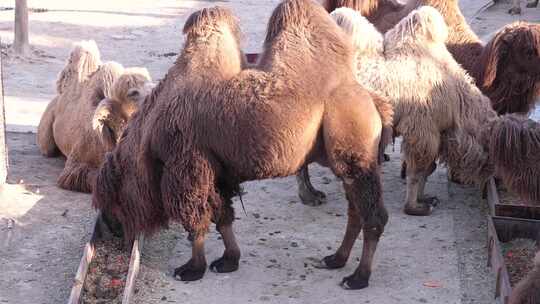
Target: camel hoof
<point>419,209</point>
<point>224,265</point>
<point>515,11</point>
<point>313,199</point>
<point>331,262</point>
<point>352,283</point>
<point>430,200</point>
<point>189,272</point>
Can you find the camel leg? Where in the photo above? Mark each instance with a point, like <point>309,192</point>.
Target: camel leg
<point>45,135</point>
<point>354,226</point>
<point>366,194</point>
<point>231,256</point>
<point>195,268</point>
<point>308,194</point>
<point>516,9</point>
<point>532,4</point>
<point>187,182</point>
<point>416,203</point>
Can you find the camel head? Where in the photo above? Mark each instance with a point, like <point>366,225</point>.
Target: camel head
<point>422,26</point>
<point>366,39</point>
<point>113,113</point>
<point>83,60</point>
<point>513,55</point>
<point>212,43</point>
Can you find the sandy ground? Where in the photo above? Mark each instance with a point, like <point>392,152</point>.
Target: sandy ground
<point>279,237</point>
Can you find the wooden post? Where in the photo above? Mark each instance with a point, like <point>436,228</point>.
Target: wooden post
<point>21,45</point>
<point>3,144</point>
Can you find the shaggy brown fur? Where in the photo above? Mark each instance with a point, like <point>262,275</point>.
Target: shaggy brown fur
<point>507,69</point>
<point>183,157</point>
<point>89,113</point>
<point>514,146</point>
<point>527,291</point>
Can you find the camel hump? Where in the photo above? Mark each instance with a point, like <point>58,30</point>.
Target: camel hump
<point>103,80</point>
<point>83,60</point>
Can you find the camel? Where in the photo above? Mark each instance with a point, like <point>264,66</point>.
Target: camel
<point>437,107</point>
<point>506,69</point>
<point>527,291</point>
<point>184,155</point>
<point>94,102</point>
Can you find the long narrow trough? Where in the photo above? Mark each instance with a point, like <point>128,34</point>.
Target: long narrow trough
<point>503,227</point>
<point>88,256</point>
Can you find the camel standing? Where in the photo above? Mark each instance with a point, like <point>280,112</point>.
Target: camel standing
<point>194,143</point>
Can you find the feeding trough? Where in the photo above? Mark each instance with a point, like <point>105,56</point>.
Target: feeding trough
<point>505,224</point>
<point>89,255</point>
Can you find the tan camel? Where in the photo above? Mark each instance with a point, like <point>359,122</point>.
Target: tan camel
<point>85,119</point>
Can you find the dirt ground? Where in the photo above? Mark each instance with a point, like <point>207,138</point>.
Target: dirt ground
<point>43,229</point>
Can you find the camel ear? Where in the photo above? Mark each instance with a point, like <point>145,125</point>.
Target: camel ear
<point>101,123</point>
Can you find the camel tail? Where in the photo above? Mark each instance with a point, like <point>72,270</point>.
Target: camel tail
<point>83,60</point>
<point>514,148</point>
<point>386,111</point>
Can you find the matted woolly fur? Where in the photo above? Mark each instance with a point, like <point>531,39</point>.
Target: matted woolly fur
<point>70,124</point>
<point>501,68</point>
<point>438,97</point>
<point>184,155</point>
<point>437,108</point>
<point>514,145</point>
<point>527,291</point>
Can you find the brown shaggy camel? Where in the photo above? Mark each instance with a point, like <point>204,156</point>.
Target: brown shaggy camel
<point>527,291</point>
<point>506,69</point>
<point>209,126</point>
<point>514,148</point>
<point>84,120</point>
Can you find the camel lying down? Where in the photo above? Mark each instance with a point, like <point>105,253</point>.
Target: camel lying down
<point>94,102</point>
<point>209,126</point>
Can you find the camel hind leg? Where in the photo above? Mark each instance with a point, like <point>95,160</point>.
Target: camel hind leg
<point>307,193</point>
<point>352,131</point>
<point>45,135</point>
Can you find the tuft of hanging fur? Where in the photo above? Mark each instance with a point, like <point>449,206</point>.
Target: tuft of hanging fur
<point>514,148</point>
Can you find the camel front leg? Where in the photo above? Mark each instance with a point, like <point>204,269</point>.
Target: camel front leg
<point>195,268</point>
<point>416,201</point>
<point>229,262</point>
<point>516,8</point>
<point>308,194</point>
